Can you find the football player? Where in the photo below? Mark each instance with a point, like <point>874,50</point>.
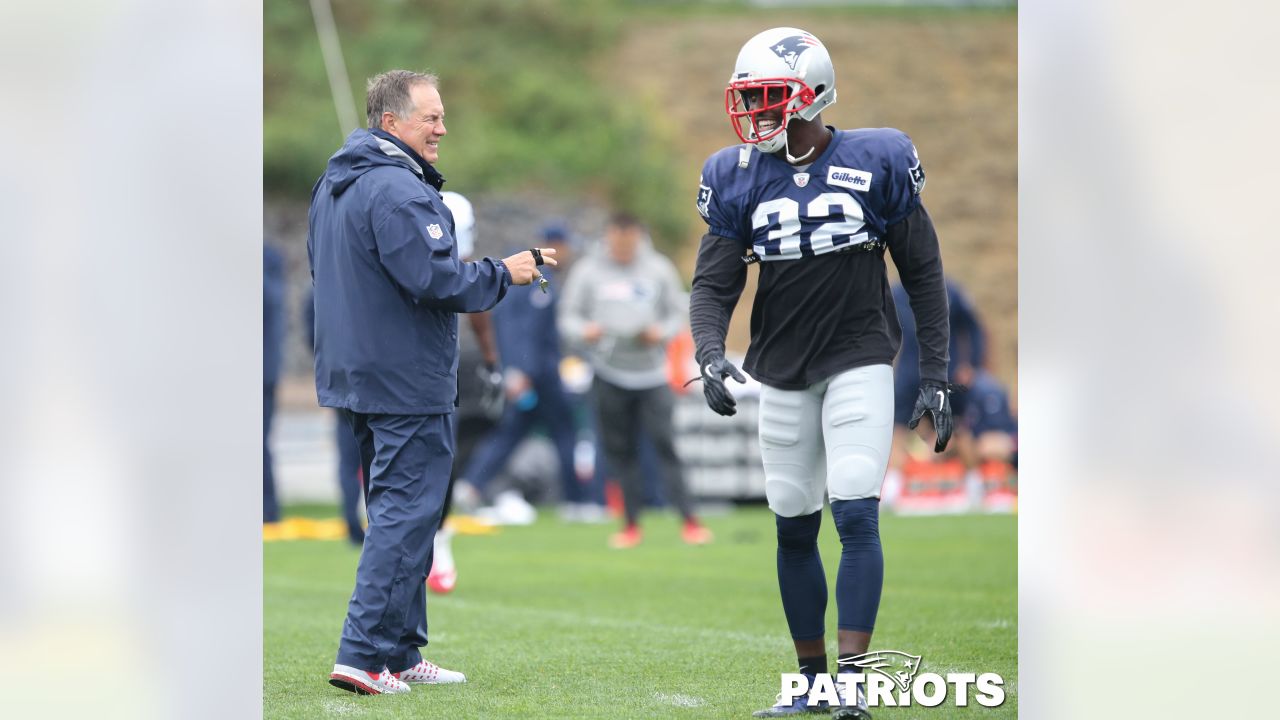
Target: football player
<point>472,421</point>
<point>815,208</point>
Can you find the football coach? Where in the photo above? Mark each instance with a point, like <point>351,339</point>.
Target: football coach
<point>388,287</point>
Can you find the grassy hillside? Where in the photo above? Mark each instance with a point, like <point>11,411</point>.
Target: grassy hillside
<point>526,105</point>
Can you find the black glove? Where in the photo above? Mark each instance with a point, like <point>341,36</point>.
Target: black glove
<point>714,370</point>
<point>492,391</point>
<point>934,399</point>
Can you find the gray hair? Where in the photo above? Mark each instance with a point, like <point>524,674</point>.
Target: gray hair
<point>389,92</point>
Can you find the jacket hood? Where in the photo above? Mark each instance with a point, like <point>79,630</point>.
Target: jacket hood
<point>365,150</point>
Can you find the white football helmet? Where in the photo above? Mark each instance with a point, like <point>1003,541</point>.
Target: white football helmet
<point>792,71</point>
<point>464,222</point>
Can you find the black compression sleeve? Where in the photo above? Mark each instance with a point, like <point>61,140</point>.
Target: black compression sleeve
<point>718,280</point>
<point>913,243</point>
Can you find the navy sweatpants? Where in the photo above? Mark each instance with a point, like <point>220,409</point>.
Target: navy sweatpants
<point>407,459</point>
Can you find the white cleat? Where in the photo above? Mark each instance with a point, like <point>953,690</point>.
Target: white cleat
<point>588,513</point>
<point>465,497</point>
<point>509,508</point>
<point>366,683</point>
<point>444,574</point>
<point>428,673</point>
<point>854,708</point>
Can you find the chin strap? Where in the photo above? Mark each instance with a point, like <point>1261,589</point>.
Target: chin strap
<point>797,160</point>
<point>786,146</point>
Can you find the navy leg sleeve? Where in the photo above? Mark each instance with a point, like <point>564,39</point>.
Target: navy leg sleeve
<point>861,575</point>
<point>800,576</point>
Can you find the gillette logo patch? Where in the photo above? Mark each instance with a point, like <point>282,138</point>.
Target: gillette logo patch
<point>849,178</point>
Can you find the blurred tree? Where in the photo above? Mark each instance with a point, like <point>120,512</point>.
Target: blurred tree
<point>527,106</point>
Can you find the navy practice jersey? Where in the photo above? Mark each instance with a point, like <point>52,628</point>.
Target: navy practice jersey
<point>865,181</point>
<point>823,303</point>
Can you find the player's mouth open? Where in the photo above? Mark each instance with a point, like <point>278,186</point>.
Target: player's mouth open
<point>764,126</point>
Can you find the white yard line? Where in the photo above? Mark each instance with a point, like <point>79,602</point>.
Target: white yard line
<point>343,709</point>
<point>578,619</point>
<point>686,701</point>
<point>567,617</point>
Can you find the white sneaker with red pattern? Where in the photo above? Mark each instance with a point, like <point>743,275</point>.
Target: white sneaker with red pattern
<point>366,683</point>
<point>428,673</point>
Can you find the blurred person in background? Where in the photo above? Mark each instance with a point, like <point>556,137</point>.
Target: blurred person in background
<point>815,208</point>
<point>993,427</point>
<point>529,342</point>
<point>990,418</point>
<point>273,329</point>
<point>480,396</point>
<point>350,472</point>
<point>968,353</point>
<point>388,286</point>
<point>624,302</point>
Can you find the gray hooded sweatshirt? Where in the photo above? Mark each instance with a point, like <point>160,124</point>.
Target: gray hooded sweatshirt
<point>624,300</point>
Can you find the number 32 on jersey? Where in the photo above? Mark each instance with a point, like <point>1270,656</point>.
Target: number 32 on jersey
<point>831,221</point>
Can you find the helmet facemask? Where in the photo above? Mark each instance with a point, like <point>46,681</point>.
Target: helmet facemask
<point>780,98</point>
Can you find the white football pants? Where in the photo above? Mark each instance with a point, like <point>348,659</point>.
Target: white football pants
<point>833,436</point>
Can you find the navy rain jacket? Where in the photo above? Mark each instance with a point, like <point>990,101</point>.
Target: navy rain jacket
<point>388,282</point>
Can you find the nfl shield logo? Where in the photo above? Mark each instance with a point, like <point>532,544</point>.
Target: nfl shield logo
<point>434,231</point>
<point>801,179</point>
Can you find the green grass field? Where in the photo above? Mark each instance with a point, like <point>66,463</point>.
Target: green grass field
<point>547,622</point>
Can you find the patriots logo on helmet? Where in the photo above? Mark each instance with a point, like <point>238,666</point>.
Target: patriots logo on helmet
<point>898,666</point>
<point>790,48</point>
